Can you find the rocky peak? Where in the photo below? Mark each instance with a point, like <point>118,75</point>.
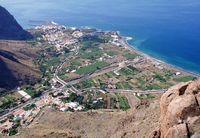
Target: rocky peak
<point>180,112</point>
<point>10,29</point>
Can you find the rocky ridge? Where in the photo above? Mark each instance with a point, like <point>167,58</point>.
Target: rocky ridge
<point>180,112</point>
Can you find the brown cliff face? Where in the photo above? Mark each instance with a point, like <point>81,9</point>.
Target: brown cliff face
<point>180,112</point>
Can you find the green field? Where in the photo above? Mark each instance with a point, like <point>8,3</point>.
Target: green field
<point>129,55</point>
<point>33,93</point>
<point>6,102</point>
<point>84,84</point>
<point>128,71</point>
<point>185,78</point>
<point>91,68</point>
<point>123,102</point>
<point>123,85</point>
<point>90,49</point>
<point>63,76</point>
<point>91,42</point>
<point>111,53</point>
<point>91,53</point>
<point>153,87</point>
<point>110,74</point>
<point>75,62</point>
<point>160,77</point>
<point>52,61</point>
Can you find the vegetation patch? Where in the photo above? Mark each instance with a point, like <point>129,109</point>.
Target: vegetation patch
<point>84,84</point>
<point>91,68</point>
<point>185,78</point>
<point>111,53</point>
<point>94,105</point>
<point>129,55</point>
<point>29,107</point>
<point>33,93</point>
<point>62,75</point>
<point>123,85</point>
<point>130,70</point>
<point>52,61</point>
<point>153,87</point>
<point>73,98</point>
<point>6,102</point>
<point>110,74</point>
<point>75,62</point>
<point>159,77</point>
<point>91,53</point>
<point>123,102</point>
<point>146,96</point>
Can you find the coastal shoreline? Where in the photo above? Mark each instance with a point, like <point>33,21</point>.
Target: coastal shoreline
<point>168,65</point>
<point>124,40</point>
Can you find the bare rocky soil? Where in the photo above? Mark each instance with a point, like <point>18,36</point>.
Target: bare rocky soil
<point>16,64</point>
<point>135,123</point>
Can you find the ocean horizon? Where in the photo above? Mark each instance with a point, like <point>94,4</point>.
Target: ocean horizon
<point>166,30</point>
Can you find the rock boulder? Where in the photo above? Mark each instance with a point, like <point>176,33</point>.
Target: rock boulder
<point>180,111</point>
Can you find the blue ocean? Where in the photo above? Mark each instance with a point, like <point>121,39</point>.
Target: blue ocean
<point>166,29</point>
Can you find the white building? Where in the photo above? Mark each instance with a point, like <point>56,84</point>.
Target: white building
<point>24,94</point>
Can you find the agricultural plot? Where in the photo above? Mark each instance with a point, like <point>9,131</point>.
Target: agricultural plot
<point>130,70</point>
<point>185,78</point>
<point>91,68</point>
<point>129,55</point>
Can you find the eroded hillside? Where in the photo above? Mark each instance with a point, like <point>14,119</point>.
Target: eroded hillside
<point>16,64</point>
<point>136,122</point>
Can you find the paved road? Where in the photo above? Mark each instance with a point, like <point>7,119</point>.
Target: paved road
<point>136,91</point>
<point>129,91</point>
<point>115,66</point>
<point>12,110</point>
<point>32,101</point>
<point>102,71</point>
<point>60,67</point>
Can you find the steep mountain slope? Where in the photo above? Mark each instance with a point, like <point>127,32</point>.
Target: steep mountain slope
<point>134,123</point>
<point>16,57</point>
<point>16,65</point>
<point>10,29</point>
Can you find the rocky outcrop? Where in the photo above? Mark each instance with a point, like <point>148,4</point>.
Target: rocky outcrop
<point>180,112</point>
<point>10,29</point>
